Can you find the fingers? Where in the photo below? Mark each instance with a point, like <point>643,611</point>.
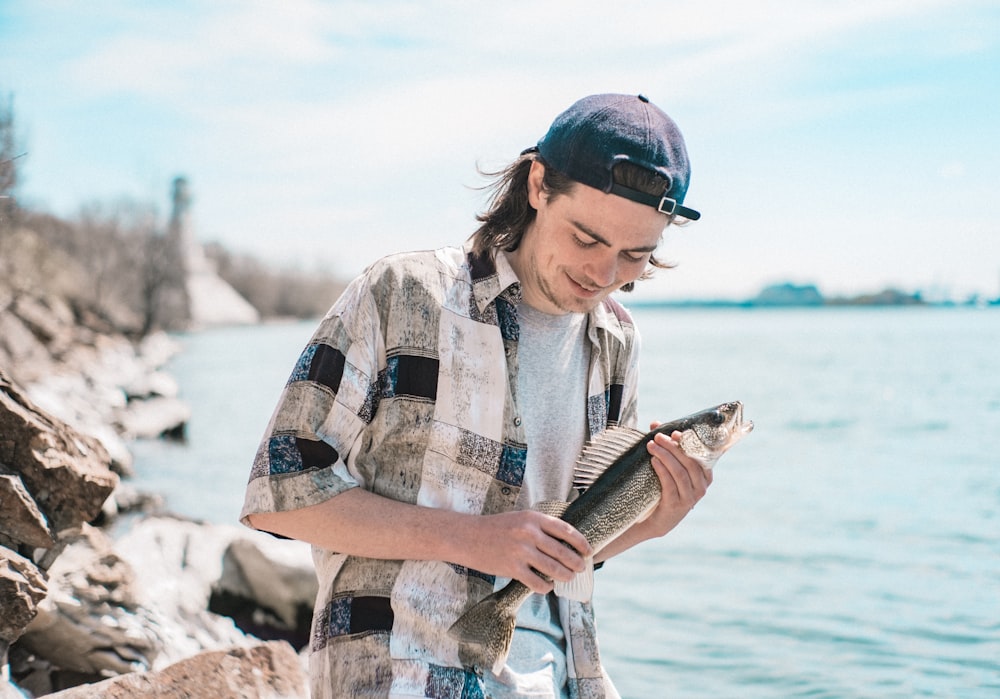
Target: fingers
<point>558,554</point>
<point>681,477</point>
<point>540,549</point>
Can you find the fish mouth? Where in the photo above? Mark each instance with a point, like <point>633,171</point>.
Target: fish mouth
<point>745,427</point>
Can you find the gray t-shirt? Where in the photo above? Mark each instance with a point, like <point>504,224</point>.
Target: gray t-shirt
<point>553,357</point>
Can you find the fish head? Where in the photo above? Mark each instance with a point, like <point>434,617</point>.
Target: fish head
<point>713,431</point>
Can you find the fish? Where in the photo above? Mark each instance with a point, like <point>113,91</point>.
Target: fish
<point>619,488</point>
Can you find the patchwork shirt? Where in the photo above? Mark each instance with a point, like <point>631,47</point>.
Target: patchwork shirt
<point>408,389</point>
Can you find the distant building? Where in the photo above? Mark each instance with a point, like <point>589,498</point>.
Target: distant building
<point>210,300</point>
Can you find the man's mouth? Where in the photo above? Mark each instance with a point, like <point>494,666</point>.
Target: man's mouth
<point>586,289</point>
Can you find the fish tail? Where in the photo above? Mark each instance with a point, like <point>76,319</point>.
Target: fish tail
<point>486,629</point>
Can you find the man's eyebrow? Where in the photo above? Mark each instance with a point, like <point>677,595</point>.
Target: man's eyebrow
<point>604,241</point>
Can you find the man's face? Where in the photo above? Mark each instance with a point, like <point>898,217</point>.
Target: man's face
<point>582,246</point>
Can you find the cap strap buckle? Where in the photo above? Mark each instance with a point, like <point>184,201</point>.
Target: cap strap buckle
<point>667,206</point>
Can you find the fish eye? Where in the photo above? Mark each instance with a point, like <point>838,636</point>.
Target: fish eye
<point>718,418</point>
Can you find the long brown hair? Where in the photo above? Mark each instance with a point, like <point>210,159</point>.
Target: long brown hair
<point>509,213</point>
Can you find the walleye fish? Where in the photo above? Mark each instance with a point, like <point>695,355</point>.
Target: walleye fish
<point>620,488</point>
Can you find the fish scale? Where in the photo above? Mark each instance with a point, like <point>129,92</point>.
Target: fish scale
<point>620,488</point>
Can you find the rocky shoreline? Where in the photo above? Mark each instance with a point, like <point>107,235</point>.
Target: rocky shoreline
<point>102,593</point>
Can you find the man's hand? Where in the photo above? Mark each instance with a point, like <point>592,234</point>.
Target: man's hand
<point>683,482</point>
<point>529,546</point>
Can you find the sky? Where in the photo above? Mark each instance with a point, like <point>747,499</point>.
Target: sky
<point>850,145</point>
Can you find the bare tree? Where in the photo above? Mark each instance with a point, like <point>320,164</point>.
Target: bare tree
<point>134,268</point>
<point>9,154</point>
<point>9,157</point>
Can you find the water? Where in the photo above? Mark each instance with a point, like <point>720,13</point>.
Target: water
<point>849,547</point>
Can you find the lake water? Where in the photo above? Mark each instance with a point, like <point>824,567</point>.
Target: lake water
<point>849,547</point>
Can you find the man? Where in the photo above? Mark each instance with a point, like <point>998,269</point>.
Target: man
<point>446,392</point>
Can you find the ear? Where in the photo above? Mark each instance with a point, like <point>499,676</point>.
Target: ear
<point>535,191</point>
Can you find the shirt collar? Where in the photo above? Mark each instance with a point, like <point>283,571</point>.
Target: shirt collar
<point>492,275</point>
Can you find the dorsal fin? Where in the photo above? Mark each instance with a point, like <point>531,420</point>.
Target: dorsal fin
<point>601,452</point>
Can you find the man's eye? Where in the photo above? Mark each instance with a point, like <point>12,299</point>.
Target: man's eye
<point>584,243</point>
<point>634,258</point>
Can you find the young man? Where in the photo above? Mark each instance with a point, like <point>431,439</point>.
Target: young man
<point>446,392</point>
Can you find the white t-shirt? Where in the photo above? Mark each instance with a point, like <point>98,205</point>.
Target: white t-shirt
<point>553,358</point>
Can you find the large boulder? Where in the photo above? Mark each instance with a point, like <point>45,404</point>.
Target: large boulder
<point>208,577</point>
<point>150,599</point>
<point>22,588</point>
<point>176,563</point>
<point>53,479</point>
<point>67,473</point>
<point>91,623</point>
<point>269,583</point>
<point>269,670</point>
<point>21,522</point>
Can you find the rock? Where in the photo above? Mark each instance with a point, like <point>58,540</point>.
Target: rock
<point>49,319</point>
<point>86,408</point>
<point>176,563</point>
<point>90,622</point>
<point>268,582</point>
<point>152,384</point>
<point>154,417</point>
<point>267,586</point>
<point>67,473</point>
<point>269,670</point>
<point>20,518</point>
<point>113,390</point>
<point>22,588</point>
<point>22,350</point>
<point>158,348</point>
<point>126,500</point>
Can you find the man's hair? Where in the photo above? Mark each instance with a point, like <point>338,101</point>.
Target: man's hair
<point>508,213</point>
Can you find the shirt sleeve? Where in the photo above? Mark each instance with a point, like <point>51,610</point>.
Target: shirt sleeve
<point>303,458</point>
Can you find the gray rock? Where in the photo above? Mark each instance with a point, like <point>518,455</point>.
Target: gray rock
<point>176,562</point>
<point>20,519</point>
<point>22,588</point>
<point>91,622</point>
<point>268,670</point>
<point>23,352</point>
<point>153,417</point>
<point>276,574</point>
<point>67,473</point>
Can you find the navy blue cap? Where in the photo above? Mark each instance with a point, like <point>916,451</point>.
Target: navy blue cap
<point>596,133</point>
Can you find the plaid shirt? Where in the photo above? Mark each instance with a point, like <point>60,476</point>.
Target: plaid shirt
<point>407,389</point>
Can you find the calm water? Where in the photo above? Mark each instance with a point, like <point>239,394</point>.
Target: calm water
<point>849,547</point>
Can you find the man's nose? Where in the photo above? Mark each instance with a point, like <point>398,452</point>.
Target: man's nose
<point>603,270</point>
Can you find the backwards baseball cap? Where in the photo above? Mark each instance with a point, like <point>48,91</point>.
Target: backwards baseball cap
<point>596,133</point>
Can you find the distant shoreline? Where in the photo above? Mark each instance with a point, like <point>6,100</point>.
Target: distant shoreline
<point>808,296</point>
<point>723,304</point>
